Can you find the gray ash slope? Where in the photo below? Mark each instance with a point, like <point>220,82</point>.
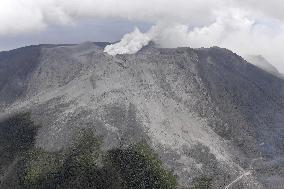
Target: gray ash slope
<point>206,112</point>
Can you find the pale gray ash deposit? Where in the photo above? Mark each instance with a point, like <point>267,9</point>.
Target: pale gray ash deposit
<point>206,112</point>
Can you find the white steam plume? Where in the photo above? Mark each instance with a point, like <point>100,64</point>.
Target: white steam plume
<point>244,26</point>
<point>235,29</point>
<point>130,43</point>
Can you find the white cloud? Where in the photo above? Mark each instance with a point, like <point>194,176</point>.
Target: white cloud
<point>271,8</point>
<point>236,30</point>
<point>18,16</point>
<point>21,15</point>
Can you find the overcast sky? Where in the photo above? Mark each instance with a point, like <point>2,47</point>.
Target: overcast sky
<point>244,26</point>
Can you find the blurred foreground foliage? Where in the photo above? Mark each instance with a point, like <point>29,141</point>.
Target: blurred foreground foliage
<point>83,165</point>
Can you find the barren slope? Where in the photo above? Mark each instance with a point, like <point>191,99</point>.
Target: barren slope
<point>206,112</point>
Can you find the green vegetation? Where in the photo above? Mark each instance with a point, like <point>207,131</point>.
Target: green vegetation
<point>39,168</point>
<point>85,166</point>
<point>139,167</point>
<point>75,167</point>
<point>202,183</point>
<point>17,135</point>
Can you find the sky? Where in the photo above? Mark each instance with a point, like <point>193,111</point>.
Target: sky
<point>247,27</point>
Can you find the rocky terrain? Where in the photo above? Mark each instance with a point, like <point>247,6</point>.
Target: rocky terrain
<point>192,118</point>
<point>262,63</point>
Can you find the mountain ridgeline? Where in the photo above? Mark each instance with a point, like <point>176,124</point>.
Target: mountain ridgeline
<point>72,116</point>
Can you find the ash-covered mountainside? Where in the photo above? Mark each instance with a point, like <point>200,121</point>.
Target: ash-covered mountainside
<point>73,116</point>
